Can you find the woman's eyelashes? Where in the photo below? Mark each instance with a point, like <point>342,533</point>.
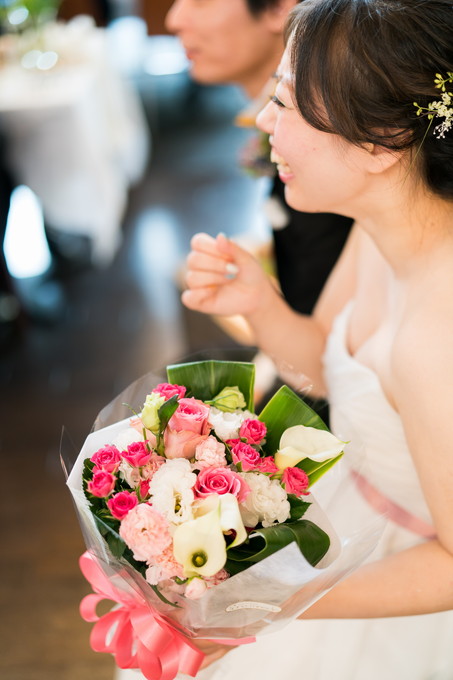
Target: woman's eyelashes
<point>277,101</point>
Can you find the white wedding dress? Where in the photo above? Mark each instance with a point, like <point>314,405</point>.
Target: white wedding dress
<point>406,648</point>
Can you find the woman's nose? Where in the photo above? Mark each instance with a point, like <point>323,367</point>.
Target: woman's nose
<point>265,120</point>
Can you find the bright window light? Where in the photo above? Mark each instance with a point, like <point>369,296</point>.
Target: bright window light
<point>26,251</point>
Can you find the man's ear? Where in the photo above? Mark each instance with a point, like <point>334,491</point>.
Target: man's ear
<point>277,14</point>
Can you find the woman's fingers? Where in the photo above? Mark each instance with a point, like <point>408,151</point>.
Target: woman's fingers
<point>199,261</point>
<point>199,299</point>
<point>202,279</point>
<point>204,243</point>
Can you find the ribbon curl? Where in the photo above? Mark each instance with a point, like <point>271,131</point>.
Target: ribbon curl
<point>136,634</point>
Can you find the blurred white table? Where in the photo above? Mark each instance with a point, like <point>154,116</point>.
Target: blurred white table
<point>76,133</point>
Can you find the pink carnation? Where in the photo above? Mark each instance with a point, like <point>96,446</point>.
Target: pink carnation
<point>210,453</point>
<point>267,465</point>
<point>121,503</point>
<point>253,431</point>
<point>163,567</point>
<point>102,483</point>
<point>145,532</point>
<point>154,463</point>
<point>167,390</point>
<point>221,575</point>
<point>221,480</point>
<point>137,454</point>
<point>246,456</point>
<point>296,481</point>
<point>107,458</point>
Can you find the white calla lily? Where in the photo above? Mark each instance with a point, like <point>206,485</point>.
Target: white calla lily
<point>230,518</point>
<point>199,544</point>
<point>301,442</point>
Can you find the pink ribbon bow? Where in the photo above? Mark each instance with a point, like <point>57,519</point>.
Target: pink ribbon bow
<point>136,634</point>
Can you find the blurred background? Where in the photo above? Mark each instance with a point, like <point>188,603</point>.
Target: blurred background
<point>111,158</point>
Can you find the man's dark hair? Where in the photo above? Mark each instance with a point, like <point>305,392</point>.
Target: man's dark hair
<point>258,6</point>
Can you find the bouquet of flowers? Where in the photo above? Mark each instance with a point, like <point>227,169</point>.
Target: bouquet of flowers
<point>198,514</point>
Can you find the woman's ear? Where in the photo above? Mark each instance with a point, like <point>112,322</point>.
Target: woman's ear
<point>378,158</point>
<point>276,15</point>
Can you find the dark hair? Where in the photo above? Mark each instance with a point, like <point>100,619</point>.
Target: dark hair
<point>366,62</point>
<point>256,7</point>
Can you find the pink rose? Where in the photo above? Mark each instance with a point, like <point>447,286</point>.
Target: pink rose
<point>145,532</point>
<point>137,454</point>
<point>107,458</point>
<point>210,453</point>
<point>253,431</point>
<point>182,444</point>
<point>120,504</point>
<point>187,428</point>
<point>232,442</point>
<point>221,480</point>
<point>267,465</point>
<point>143,489</point>
<point>246,456</point>
<point>190,416</point>
<point>102,483</point>
<point>168,390</point>
<point>196,589</point>
<point>295,480</point>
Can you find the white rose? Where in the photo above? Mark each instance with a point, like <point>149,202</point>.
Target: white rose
<point>267,503</point>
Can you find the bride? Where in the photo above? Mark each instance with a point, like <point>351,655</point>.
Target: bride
<point>347,139</point>
<point>351,134</point>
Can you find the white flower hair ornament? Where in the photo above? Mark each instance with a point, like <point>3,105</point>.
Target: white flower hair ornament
<point>440,108</point>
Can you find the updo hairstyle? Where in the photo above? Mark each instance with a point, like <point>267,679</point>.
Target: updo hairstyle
<point>359,66</point>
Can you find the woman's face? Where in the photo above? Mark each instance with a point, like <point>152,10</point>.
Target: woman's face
<point>321,171</point>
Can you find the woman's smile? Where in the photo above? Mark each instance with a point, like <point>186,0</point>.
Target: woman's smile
<point>284,171</point>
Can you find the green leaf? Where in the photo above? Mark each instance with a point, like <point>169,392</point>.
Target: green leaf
<point>166,411</point>
<point>298,506</point>
<point>205,379</point>
<point>315,470</point>
<point>284,410</point>
<point>114,541</point>
<point>312,541</point>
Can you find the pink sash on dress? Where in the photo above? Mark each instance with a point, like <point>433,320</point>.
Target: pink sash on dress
<point>394,512</point>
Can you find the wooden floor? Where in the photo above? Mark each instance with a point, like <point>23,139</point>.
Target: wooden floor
<point>117,324</point>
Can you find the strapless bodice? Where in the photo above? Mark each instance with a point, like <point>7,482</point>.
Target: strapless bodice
<point>361,414</point>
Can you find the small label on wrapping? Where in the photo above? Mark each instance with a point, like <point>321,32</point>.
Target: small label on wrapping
<point>249,604</point>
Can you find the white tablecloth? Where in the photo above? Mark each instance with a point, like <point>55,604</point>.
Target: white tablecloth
<point>76,134</point>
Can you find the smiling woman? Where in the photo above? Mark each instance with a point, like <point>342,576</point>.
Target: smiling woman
<point>346,137</point>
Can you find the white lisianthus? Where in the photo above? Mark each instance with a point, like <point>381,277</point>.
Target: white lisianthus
<point>149,415</point>
<point>131,475</point>
<point>301,442</point>
<point>171,490</point>
<point>267,503</point>
<point>127,436</point>
<point>227,424</point>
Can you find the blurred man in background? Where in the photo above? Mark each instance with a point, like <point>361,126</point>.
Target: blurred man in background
<point>241,42</point>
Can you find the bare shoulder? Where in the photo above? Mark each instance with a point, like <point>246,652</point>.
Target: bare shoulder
<point>422,376</point>
<point>423,351</point>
